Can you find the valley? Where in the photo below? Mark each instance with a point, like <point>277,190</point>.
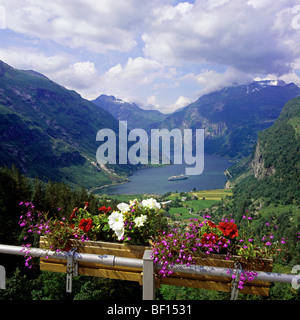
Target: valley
<point>38,114</point>
<point>252,151</point>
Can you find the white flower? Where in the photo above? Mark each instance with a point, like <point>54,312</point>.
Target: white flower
<point>120,233</point>
<point>151,204</point>
<point>116,223</point>
<point>123,207</point>
<point>139,221</point>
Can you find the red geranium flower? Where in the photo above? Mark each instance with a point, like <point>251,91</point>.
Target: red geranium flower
<point>104,209</point>
<point>228,229</point>
<point>85,224</point>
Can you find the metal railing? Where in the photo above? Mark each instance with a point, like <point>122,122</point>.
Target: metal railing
<point>147,265</point>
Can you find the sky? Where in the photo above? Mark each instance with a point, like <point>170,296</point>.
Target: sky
<point>160,54</point>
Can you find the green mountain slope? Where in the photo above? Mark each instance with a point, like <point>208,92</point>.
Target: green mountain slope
<point>272,170</point>
<point>50,132</point>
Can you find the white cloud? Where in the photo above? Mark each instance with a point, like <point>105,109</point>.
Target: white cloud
<point>98,26</point>
<point>259,3</point>
<point>152,103</point>
<point>131,78</point>
<point>180,103</point>
<point>212,80</point>
<point>32,59</point>
<point>81,76</point>
<point>109,25</point>
<point>156,52</point>
<point>288,78</point>
<point>239,34</point>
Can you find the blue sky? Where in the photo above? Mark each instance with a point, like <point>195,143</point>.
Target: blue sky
<point>161,54</point>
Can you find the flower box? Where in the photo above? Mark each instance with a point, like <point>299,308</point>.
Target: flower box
<point>95,269</point>
<point>216,282</point>
<point>135,274</point>
<point>201,241</point>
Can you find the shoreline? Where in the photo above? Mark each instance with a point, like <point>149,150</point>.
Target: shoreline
<point>108,185</point>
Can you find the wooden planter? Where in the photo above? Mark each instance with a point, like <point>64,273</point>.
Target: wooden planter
<point>136,274</point>
<point>221,283</point>
<point>95,269</point>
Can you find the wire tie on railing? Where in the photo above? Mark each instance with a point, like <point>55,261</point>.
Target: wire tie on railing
<point>72,269</point>
<point>235,281</point>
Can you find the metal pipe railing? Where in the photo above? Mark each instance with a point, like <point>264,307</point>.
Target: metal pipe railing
<point>62,255</point>
<point>227,272</point>
<point>147,265</point>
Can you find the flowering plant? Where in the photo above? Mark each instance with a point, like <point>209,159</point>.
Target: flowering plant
<point>133,223</point>
<point>56,231</point>
<point>182,245</point>
<point>137,222</point>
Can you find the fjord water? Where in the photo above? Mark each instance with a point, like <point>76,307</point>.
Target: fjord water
<point>155,180</point>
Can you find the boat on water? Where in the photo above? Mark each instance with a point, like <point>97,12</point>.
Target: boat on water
<point>179,177</point>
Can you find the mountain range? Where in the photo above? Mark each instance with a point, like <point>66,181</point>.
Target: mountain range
<point>233,116</point>
<point>135,116</point>
<point>49,132</point>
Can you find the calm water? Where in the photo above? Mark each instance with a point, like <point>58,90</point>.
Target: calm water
<point>155,180</point>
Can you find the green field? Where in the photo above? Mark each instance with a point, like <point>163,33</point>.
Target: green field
<point>216,194</point>
<point>191,208</point>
